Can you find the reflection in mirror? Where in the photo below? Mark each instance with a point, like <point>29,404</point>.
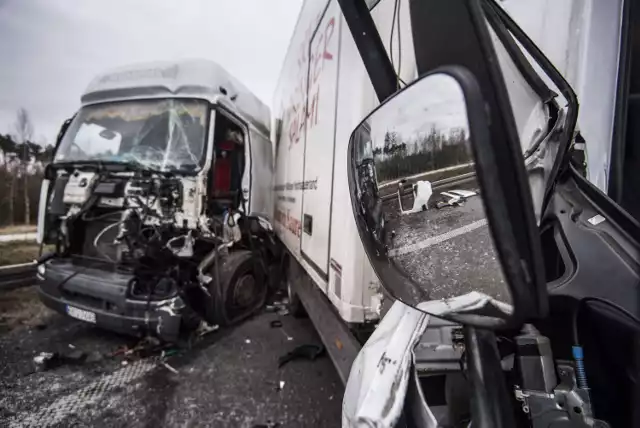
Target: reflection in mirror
<point>418,199</point>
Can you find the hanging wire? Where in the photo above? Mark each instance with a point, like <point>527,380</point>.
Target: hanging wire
<point>396,20</point>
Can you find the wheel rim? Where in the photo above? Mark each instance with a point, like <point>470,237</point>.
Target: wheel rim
<point>244,291</point>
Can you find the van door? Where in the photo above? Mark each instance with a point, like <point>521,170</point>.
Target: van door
<point>319,147</point>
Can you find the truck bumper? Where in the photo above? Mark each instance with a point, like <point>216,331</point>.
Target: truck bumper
<point>63,285</point>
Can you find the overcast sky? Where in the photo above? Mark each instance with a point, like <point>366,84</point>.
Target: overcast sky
<point>51,49</point>
<point>411,114</point>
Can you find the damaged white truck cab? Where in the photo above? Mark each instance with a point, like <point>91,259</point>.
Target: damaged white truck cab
<point>158,201</point>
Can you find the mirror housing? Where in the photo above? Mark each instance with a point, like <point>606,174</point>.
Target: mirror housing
<point>519,268</point>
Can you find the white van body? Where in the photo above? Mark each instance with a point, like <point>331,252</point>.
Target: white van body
<point>324,92</point>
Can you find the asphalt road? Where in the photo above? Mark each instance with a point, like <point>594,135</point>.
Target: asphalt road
<point>448,251</point>
<point>227,379</point>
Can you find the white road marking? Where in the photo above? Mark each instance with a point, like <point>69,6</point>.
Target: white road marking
<point>434,240</point>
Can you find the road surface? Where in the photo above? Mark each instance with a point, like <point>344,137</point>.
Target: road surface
<point>228,379</point>
<point>448,251</point>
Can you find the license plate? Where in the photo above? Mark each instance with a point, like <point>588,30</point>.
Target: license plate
<point>81,314</point>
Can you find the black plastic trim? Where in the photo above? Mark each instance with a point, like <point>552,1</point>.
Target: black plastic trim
<point>371,48</point>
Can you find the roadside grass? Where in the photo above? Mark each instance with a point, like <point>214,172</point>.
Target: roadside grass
<point>22,307</point>
<point>10,230</point>
<point>12,253</point>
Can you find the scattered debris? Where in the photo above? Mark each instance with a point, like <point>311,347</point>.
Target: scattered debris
<point>279,386</point>
<point>279,306</point>
<point>119,351</point>
<point>309,352</point>
<point>247,341</point>
<point>125,362</point>
<point>49,360</point>
<point>72,346</point>
<point>276,323</point>
<point>289,338</point>
<point>45,361</point>
<point>283,312</point>
<point>169,353</point>
<point>204,328</point>
<point>168,367</point>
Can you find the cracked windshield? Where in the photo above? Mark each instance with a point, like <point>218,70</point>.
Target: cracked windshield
<point>163,134</point>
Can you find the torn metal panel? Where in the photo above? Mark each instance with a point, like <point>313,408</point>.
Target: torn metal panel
<point>377,385</point>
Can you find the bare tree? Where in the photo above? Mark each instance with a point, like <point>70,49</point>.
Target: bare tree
<point>24,133</point>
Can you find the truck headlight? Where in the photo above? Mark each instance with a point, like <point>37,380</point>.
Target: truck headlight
<point>41,269</point>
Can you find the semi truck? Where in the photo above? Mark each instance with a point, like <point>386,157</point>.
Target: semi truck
<point>324,91</point>
<point>158,202</point>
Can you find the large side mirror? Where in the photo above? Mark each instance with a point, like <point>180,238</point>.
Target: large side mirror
<point>430,205</point>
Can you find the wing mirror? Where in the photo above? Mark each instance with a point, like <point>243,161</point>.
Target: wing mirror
<point>431,208</point>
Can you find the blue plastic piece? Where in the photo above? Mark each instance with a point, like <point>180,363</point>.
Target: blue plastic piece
<point>577,353</point>
<point>581,373</point>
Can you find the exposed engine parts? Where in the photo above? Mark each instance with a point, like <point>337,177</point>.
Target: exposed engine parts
<point>133,223</point>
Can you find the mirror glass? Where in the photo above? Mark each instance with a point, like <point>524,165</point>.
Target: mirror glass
<point>419,205</point>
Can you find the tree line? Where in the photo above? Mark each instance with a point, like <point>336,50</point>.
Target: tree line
<point>399,158</point>
<point>21,172</point>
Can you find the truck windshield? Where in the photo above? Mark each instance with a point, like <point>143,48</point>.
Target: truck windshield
<point>163,134</point>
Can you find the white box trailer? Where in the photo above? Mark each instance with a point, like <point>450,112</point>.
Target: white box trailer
<point>324,91</point>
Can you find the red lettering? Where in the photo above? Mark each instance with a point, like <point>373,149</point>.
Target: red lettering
<point>291,224</point>
<point>303,100</point>
<point>330,26</point>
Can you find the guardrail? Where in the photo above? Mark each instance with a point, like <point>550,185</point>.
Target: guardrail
<point>17,276</point>
<point>458,179</point>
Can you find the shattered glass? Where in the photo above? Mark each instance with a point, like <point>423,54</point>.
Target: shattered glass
<point>163,134</point>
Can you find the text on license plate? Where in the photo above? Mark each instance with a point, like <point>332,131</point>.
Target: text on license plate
<point>81,314</point>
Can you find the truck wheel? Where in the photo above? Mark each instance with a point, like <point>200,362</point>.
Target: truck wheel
<point>295,304</point>
<point>243,288</point>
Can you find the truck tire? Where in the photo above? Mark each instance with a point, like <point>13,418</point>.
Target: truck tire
<point>243,288</point>
<point>293,273</point>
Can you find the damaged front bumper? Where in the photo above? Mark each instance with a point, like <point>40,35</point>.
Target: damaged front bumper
<point>102,297</point>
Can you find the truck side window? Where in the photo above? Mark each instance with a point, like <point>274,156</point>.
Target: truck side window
<point>228,165</point>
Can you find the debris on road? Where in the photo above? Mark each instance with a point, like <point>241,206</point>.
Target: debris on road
<point>247,341</point>
<point>49,360</point>
<point>276,323</point>
<point>204,328</point>
<point>283,312</point>
<point>309,352</point>
<point>279,306</point>
<point>168,367</point>
<point>169,353</point>
<point>44,361</point>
